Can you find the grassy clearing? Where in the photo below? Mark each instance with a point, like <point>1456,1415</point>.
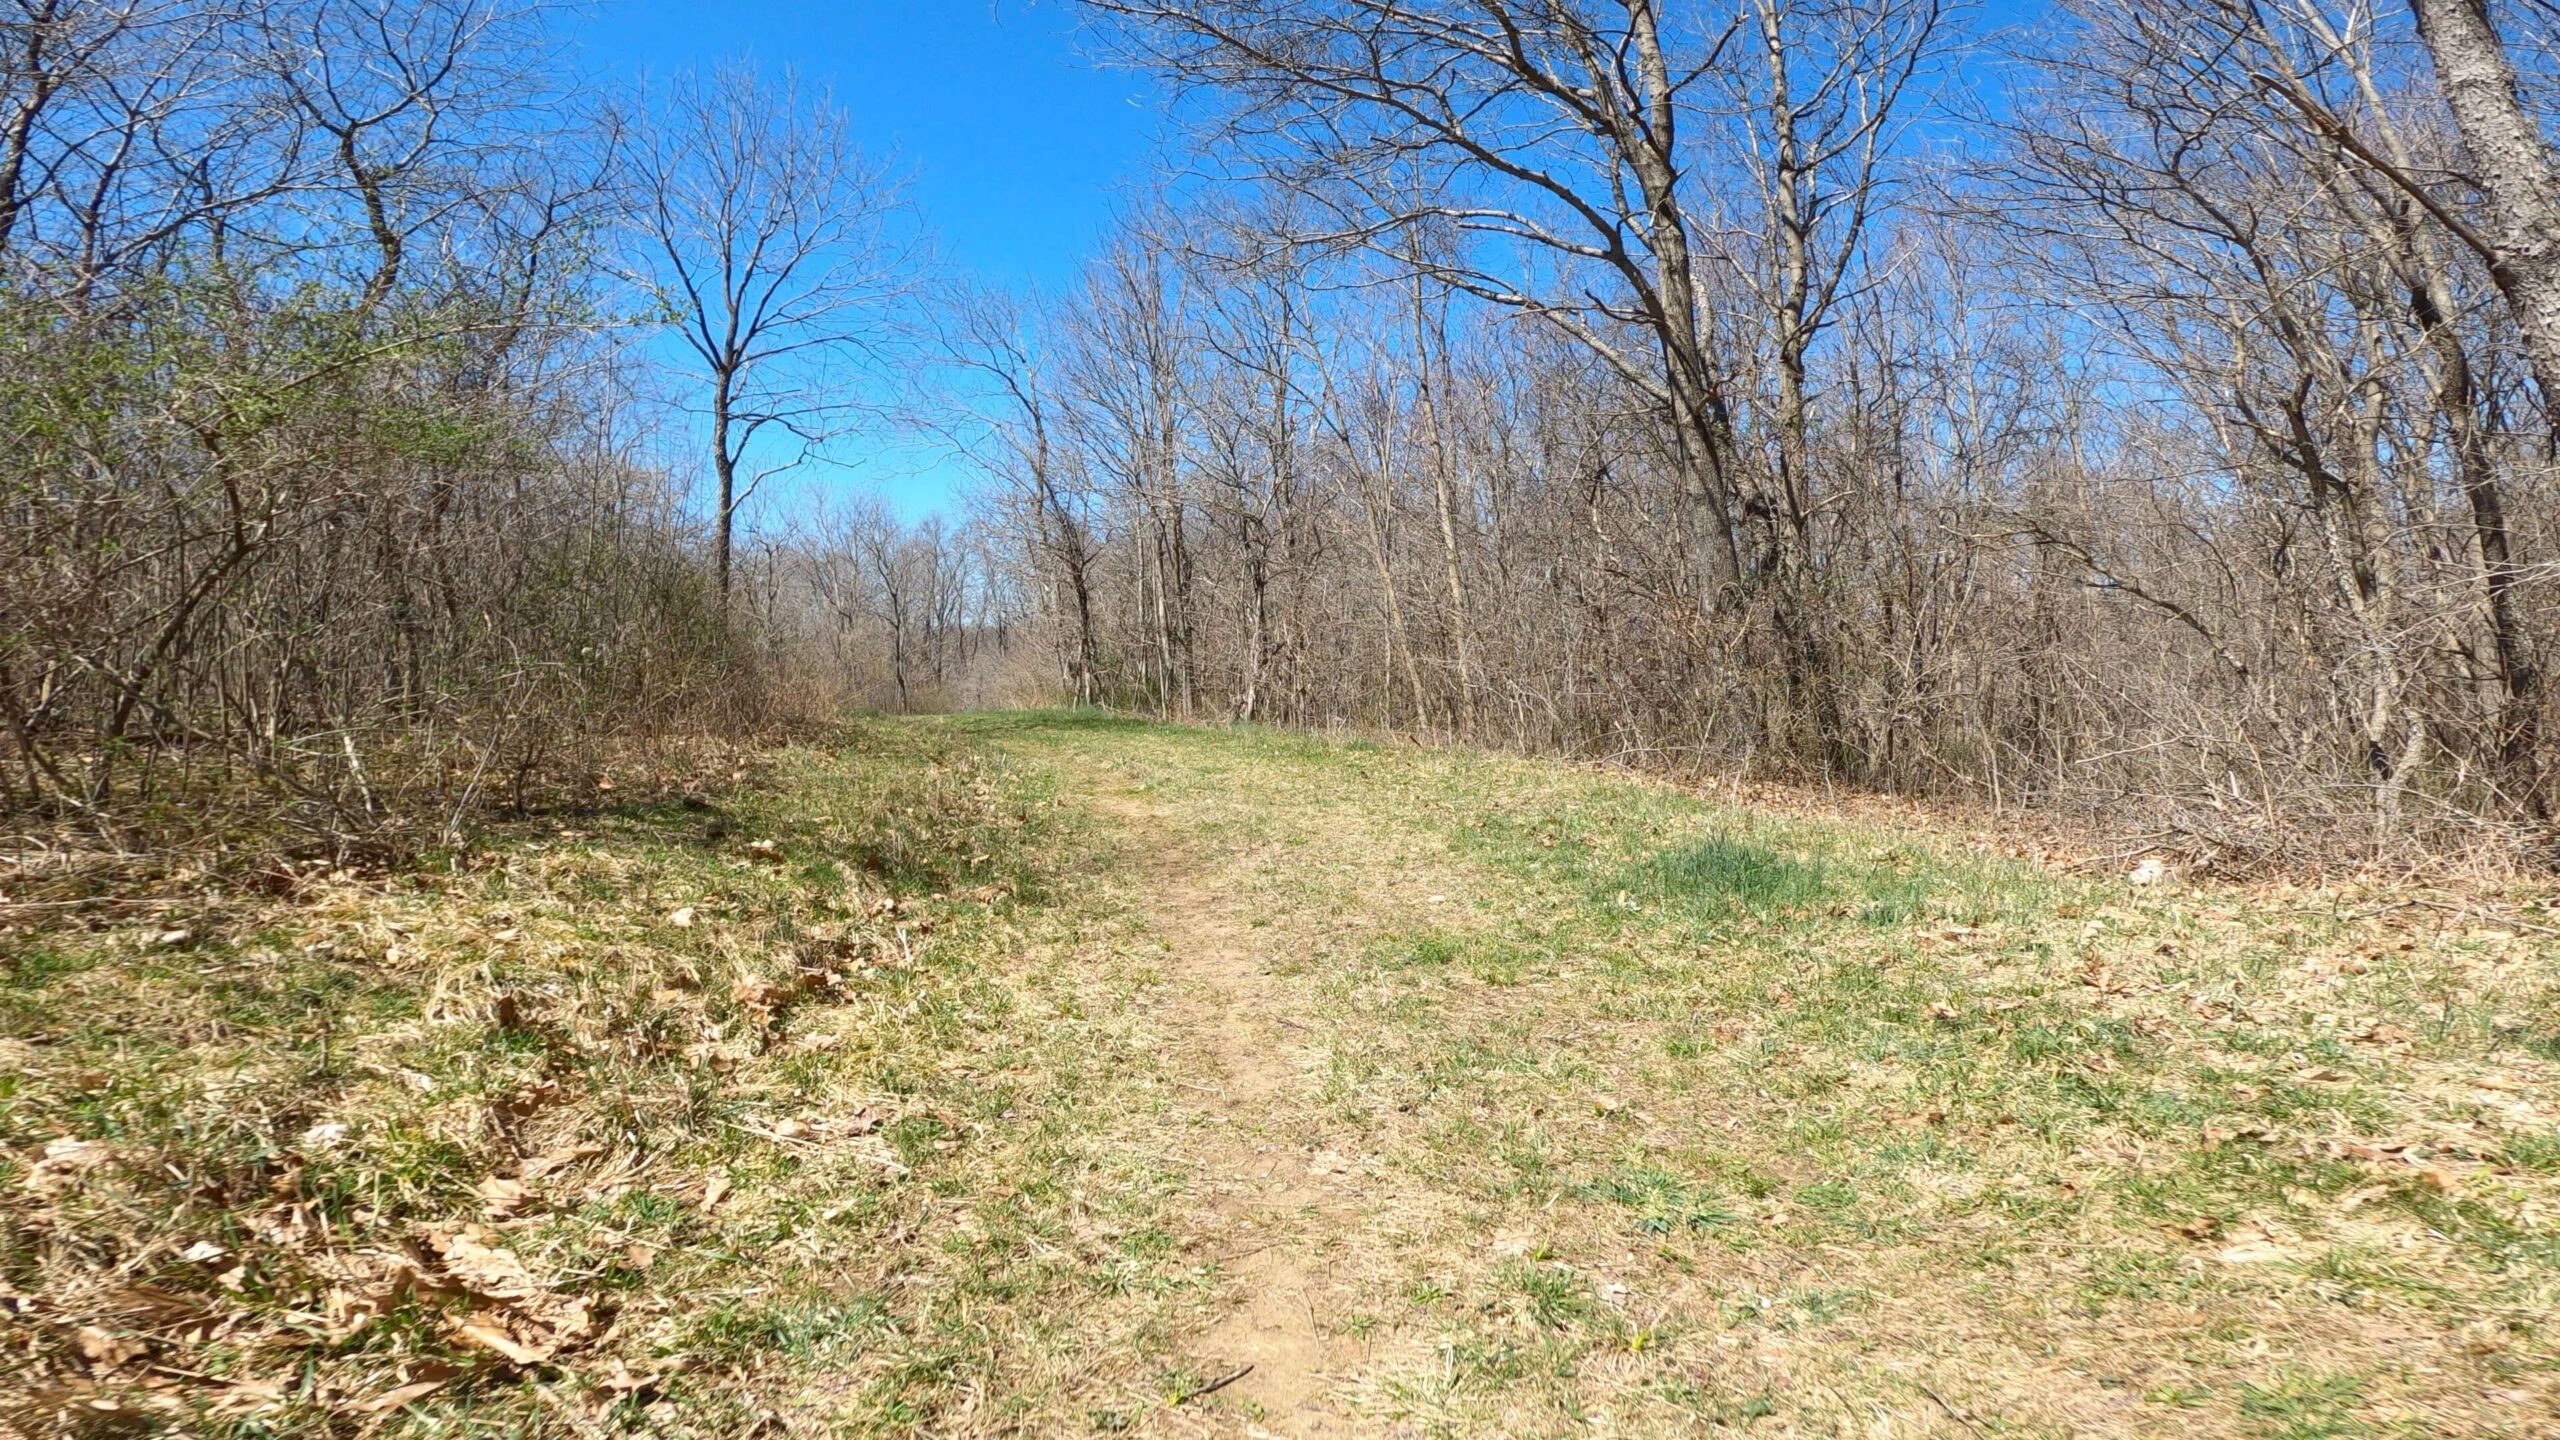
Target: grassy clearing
<point>792,1111</point>
<point>879,1098</point>
<point>1697,1118</point>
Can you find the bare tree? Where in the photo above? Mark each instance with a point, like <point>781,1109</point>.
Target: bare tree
<point>1686,191</point>
<point>340,535</point>
<point>768,242</point>
<point>1010,427</point>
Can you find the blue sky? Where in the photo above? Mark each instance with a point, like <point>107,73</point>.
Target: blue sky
<point>1016,142</point>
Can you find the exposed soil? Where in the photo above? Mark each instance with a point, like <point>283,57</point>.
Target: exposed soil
<point>1274,1192</point>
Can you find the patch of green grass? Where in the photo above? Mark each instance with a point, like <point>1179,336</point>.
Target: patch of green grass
<point>1721,870</point>
<point>2302,1405</point>
<point>1922,1070</point>
<point>1663,1203</point>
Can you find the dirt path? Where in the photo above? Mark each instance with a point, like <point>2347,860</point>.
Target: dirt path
<point>1273,1184</point>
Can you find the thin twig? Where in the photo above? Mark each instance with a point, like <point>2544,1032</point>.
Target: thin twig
<point>1214,1386</point>
<point>1953,1413</point>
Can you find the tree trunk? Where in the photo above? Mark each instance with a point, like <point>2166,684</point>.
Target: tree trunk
<point>726,465</point>
<point>2514,167</point>
<point>1461,624</point>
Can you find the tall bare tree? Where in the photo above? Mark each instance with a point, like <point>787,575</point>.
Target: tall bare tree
<point>1688,191</point>
<point>768,238</point>
<point>1010,415</point>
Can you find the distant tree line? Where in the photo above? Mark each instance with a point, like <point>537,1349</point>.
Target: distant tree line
<point>2147,411</point>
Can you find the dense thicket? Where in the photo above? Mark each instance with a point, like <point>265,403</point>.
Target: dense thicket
<point>316,504</point>
<point>2138,414</point>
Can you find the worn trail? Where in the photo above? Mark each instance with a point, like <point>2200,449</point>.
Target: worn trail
<point>1289,1202</point>
<point>1269,1186</point>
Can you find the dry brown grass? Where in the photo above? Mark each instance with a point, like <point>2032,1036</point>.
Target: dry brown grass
<point>678,1117</point>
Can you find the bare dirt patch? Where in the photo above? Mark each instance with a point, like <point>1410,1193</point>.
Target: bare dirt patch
<point>1270,1191</point>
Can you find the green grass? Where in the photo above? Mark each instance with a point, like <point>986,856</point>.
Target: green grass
<point>1638,1114</point>
<point>1978,1107</point>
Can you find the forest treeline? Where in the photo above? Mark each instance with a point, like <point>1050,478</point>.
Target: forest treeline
<point>2139,409</point>
<point>2142,410</point>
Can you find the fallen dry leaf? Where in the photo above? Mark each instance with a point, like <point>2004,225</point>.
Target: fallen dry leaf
<point>488,1332</point>
<point>59,1170</point>
<point>427,1380</point>
<point>2253,1245</point>
<point>481,1267</point>
<point>501,1198</point>
<point>105,1350</point>
<point>241,1397</point>
<point>553,1161</point>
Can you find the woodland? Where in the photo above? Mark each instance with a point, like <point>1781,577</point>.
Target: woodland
<point>1806,718</point>
<point>2140,412</point>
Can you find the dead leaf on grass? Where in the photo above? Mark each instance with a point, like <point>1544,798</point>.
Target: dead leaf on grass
<point>553,1161</point>
<point>502,1198</point>
<point>481,1267</point>
<point>62,1166</point>
<point>490,1333</point>
<point>424,1380</point>
<point>105,1350</point>
<point>2096,974</point>
<point>2254,1245</point>
<point>242,1397</point>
